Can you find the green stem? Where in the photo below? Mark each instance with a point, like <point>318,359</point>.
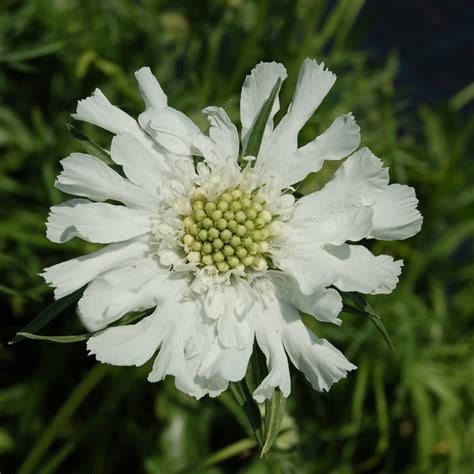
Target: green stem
<point>225,453</point>
<point>78,395</point>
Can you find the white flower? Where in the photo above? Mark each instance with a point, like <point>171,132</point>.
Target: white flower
<point>225,255</point>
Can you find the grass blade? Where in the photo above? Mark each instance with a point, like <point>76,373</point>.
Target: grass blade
<point>47,315</point>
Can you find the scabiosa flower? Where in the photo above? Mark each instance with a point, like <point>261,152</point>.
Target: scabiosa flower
<point>215,243</point>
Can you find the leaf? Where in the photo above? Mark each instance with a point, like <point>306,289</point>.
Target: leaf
<point>60,339</point>
<point>274,414</point>
<point>256,135</point>
<point>382,330</point>
<point>360,303</point>
<point>245,400</point>
<point>48,314</point>
<point>362,308</point>
<point>32,52</point>
<point>89,146</point>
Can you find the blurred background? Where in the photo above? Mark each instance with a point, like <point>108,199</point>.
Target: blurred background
<point>405,69</point>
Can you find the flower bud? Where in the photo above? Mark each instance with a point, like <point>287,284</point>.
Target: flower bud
<point>210,207</point>
<point>226,235</point>
<point>221,224</point>
<point>240,216</point>
<point>194,257</point>
<point>206,223</point>
<point>228,250</point>
<point>213,233</point>
<point>188,239</point>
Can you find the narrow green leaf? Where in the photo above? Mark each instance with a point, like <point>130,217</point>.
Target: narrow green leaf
<point>360,303</point>
<point>89,146</point>
<point>60,339</point>
<point>382,330</point>
<point>32,52</point>
<point>245,400</point>
<point>256,135</point>
<point>274,413</point>
<point>362,308</point>
<point>48,314</point>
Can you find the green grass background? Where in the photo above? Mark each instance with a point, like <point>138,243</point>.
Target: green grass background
<point>410,410</point>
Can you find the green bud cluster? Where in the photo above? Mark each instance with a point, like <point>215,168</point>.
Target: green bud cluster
<point>229,233</point>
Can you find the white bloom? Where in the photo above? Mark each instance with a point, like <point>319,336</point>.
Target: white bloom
<point>224,255</point>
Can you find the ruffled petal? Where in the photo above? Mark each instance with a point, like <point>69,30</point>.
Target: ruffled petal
<point>324,304</point>
<point>136,286</point>
<point>86,176</point>
<point>223,135</point>
<point>305,261</point>
<point>338,141</point>
<point>177,356</point>
<point>233,332</point>
<point>359,270</point>
<point>144,167</point>
<point>224,362</point>
<point>73,274</point>
<point>133,344</point>
<point>97,110</point>
<point>267,332</point>
<point>348,267</point>
<point>170,128</point>
<point>395,214</point>
<point>256,90</point>
<point>359,181</point>
<point>321,363</point>
<point>314,82</point>
<point>96,222</point>
<point>150,88</point>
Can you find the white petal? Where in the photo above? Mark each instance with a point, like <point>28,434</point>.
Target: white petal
<point>73,274</point>
<point>235,298</point>
<point>268,323</point>
<point>306,263</point>
<point>359,270</point>
<point>150,88</point>
<point>338,141</point>
<point>89,177</point>
<point>256,90</point>
<point>97,110</point>
<point>96,222</point>
<point>359,181</point>
<point>144,167</point>
<point>170,128</point>
<point>223,134</point>
<point>133,344</point>
<point>172,358</point>
<point>348,267</point>
<point>233,332</point>
<point>133,287</point>
<point>395,214</point>
<point>313,84</point>
<point>321,363</point>
<point>228,363</point>
<point>324,304</point>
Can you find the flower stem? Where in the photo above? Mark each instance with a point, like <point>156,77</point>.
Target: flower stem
<point>78,395</point>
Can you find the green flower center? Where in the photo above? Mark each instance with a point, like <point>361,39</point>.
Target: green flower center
<point>231,232</point>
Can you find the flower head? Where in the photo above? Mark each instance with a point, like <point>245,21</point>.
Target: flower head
<point>214,243</point>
